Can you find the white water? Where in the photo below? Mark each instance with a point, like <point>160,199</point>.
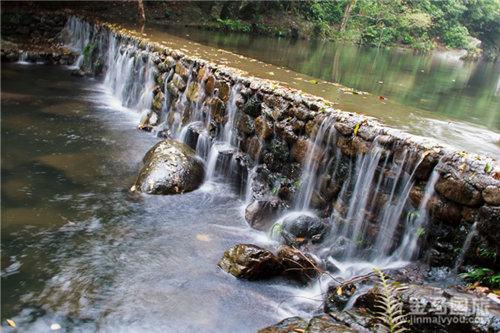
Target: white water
<point>371,178</point>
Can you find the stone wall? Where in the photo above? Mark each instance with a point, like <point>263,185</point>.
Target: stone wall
<point>277,130</point>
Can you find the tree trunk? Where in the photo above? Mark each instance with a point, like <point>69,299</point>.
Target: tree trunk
<point>347,13</point>
<point>142,15</point>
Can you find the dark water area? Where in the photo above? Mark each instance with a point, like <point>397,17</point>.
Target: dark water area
<point>79,250</point>
<point>440,83</point>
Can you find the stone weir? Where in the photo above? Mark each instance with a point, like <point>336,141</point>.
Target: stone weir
<point>378,193</point>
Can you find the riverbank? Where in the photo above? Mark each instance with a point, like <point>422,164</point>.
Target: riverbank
<point>287,147</point>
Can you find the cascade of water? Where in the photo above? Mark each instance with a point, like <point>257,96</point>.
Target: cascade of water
<point>467,243</point>
<point>77,34</point>
<point>309,173</point>
<point>23,58</point>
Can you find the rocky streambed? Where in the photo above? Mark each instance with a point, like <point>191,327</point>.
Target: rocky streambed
<point>337,194</point>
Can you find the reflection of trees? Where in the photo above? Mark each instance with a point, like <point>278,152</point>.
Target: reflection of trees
<point>455,89</point>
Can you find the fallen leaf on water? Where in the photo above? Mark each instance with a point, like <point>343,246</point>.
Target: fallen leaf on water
<point>270,73</point>
<point>313,81</point>
<point>11,323</point>
<point>203,237</point>
<point>382,98</point>
<point>339,291</point>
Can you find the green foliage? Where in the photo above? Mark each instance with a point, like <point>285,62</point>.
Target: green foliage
<point>87,51</point>
<point>484,276</point>
<point>389,305</point>
<point>233,25</point>
<point>457,37</point>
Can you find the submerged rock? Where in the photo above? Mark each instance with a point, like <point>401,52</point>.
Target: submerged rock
<point>250,262</point>
<point>170,167</point>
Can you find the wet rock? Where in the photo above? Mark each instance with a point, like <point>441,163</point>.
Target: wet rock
<point>491,195</point>
<point>288,325</point>
<point>262,213</point>
<point>158,101</point>
<point>458,190</point>
<point>285,131</point>
<point>304,228</point>
<point>181,70</point>
<point>193,132</point>
<point>344,129</point>
<point>325,324</point>
<point>170,167</point>
<point>192,92</point>
<point>277,155</point>
<point>210,85</point>
<point>173,90</point>
<point>263,128</point>
<point>488,220</point>
<point>201,73</point>
<point>297,265</point>
<point>178,82</point>
<point>217,109</point>
<point>252,106</point>
<point>337,297</point>
<point>254,148</point>
<point>444,210</point>
<point>223,91</point>
<point>247,261</point>
<point>245,124</point>
<point>299,150</point>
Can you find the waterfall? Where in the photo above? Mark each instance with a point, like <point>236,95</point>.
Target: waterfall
<point>369,209</point>
<point>23,58</point>
<point>467,243</point>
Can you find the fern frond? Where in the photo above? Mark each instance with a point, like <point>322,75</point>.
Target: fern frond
<point>388,305</point>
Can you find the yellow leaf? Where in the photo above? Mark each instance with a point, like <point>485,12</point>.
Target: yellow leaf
<point>11,322</point>
<point>339,291</point>
<point>356,128</point>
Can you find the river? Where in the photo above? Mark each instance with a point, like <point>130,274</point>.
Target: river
<point>80,251</point>
<point>436,95</point>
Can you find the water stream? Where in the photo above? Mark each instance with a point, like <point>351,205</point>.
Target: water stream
<point>114,261</point>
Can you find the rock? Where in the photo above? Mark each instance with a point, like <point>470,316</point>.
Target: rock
<point>297,265</point>
<point>488,221</point>
<point>459,191</point>
<point>158,101</point>
<point>285,131</point>
<point>337,297</point>
<point>299,150</point>
<point>304,228</point>
<point>178,82</point>
<point>217,109</point>
<point>491,194</point>
<point>173,90</point>
<point>262,213</point>
<point>245,124</point>
<point>252,106</point>
<point>288,325</point>
<point>263,128</point>
<point>444,210</point>
<point>181,70</point>
<point>325,324</point>
<point>254,148</point>
<point>192,92</point>
<point>193,132</point>
<point>210,85</point>
<point>170,167</point>
<point>247,261</point>
<point>224,91</point>
<point>344,129</point>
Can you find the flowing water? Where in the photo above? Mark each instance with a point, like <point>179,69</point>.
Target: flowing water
<point>79,249</point>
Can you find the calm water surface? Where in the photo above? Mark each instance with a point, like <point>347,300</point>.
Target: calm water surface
<point>79,250</point>
<point>436,96</point>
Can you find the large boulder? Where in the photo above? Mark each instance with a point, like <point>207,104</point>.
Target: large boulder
<point>170,167</point>
<point>288,325</point>
<point>250,262</point>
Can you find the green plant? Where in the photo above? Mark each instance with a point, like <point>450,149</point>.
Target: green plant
<point>487,253</point>
<point>389,305</point>
<point>484,276</point>
<point>87,51</point>
<point>233,25</point>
